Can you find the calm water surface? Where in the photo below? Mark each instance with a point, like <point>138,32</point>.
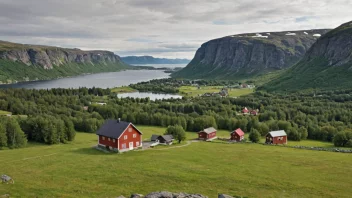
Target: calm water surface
<point>101,80</point>
<point>163,65</point>
<point>152,96</point>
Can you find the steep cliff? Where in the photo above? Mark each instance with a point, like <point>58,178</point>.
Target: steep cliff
<point>327,64</point>
<point>140,60</point>
<point>245,55</point>
<point>20,62</point>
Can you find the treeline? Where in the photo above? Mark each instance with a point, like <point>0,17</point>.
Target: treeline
<point>172,86</point>
<point>11,134</point>
<point>54,115</point>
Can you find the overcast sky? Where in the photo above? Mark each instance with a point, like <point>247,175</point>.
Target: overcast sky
<point>162,28</point>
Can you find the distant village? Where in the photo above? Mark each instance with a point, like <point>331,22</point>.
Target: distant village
<point>120,136</point>
<point>224,92</point>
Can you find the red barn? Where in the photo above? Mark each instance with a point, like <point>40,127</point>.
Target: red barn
<point>245,110</point>
<point>276,137</point>
<point>254,112</point>
<point>119,136</point>
<point>237,135</point>
<point>207,134</point>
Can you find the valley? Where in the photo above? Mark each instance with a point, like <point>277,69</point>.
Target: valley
<point>256,113</point>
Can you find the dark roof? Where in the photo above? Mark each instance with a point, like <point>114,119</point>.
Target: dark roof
<point>113,128</point>
<point>167,138</point>
<point>154,137</point>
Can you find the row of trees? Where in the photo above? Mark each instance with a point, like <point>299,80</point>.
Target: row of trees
<point>11,134</point>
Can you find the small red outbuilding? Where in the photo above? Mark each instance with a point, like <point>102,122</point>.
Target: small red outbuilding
<point>207,134</point>
<point>237,135</point>
<point>276,137</point>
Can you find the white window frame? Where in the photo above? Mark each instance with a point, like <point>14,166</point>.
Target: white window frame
<point>130,129</point>
<point>137,144</point>
<point>134,135</point>
<point>125,137</point>
<point>109,139</point>
<point>124,146</point>
<point>113,140</point>
<point>103,138</point>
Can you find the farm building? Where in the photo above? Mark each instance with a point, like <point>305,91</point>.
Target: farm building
<point>119,136</point>
<point>166,139</point>
<point>245,111</point>
<point>207,134</point>
<point>162,139</point>
<point>255,112</point>
<point>237,135</point>
<point>154,138</point>
<point>276,137</point>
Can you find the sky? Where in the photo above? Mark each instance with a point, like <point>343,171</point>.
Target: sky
<point>161,28</point>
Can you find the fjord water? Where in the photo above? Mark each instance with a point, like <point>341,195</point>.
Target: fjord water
<point>101,80</point>
<point>151,96</point>
<point>163,65</point>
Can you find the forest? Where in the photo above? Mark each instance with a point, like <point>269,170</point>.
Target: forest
<point>53,116</point>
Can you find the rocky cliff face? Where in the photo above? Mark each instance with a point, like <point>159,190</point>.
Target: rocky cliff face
<point>335,46</point>
<point>139,60</point>
<point>327,65</point>
<point>47,57</point>
<point>250,54</point>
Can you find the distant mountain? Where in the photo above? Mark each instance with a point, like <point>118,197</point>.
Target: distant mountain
<point>247,55</point>
<point>327,65</point>
<point>140,60</point>
<point>20,62</point>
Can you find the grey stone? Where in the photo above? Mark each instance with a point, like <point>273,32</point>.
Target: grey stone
<point>224,196</point>
<point>137,195</point>
<point>165,194</point>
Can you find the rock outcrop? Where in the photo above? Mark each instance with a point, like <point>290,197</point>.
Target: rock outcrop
<point>249,54</point>
<point>327,65</point>
<point>47,57</point>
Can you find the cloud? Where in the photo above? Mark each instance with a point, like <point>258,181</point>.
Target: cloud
<point>158,27</point>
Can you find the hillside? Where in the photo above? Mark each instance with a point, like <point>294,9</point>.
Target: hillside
<point>140,60</point>
<point>327,65</point>
<point>20,62</point>
<point>247,55</point>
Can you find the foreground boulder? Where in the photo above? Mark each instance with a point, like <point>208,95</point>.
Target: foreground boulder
<point>137,195</point>
<point>224,196</point>
<point>166,194</point>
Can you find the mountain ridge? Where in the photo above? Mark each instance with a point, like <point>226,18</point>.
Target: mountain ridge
<point>327,64</point>
<point>22,62</point>
<point>135,60</point>
<point>249,54</point>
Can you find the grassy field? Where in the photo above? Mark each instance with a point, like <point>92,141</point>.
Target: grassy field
<point>252,170</point>
<point>124,89</point>
<point>194,91</point>
<point>4,112</point>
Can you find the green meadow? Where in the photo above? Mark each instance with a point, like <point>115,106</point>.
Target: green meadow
<point>251,170</point>
<point>194,91</point>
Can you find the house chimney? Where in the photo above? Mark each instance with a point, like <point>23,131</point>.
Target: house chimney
<point>119,120</point>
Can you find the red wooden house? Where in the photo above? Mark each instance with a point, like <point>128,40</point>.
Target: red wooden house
<point>119,136</point>
<point>276,137</point>
<point>237,135</point>
<point>245,111</point>
<point>207,134</point>
<point>255,112</point>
